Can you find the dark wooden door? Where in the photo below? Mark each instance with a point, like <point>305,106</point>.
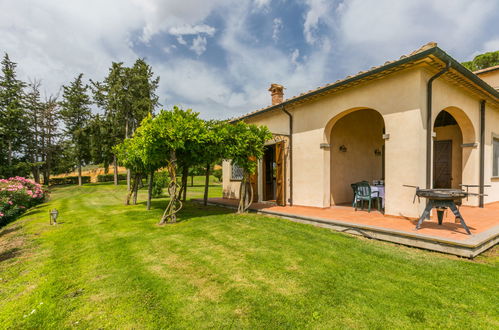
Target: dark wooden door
<point>442,164</point>
<point>280,182</point>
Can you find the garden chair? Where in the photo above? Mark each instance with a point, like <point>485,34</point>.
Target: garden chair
<point>364,193</point>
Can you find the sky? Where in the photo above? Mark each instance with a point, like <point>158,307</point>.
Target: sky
<point>219,57</point>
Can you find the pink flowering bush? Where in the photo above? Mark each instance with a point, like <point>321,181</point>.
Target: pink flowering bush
<point>16,195</point>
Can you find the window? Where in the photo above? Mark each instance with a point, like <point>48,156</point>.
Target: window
<point>495,156</point>
<point>236,172</point>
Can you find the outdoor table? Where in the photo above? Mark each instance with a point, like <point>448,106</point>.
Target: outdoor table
<point>381,193</point>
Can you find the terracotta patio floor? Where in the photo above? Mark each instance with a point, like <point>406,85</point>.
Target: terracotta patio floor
<point>478,220</point>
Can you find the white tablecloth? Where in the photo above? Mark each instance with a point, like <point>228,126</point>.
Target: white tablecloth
<point>381,193</point>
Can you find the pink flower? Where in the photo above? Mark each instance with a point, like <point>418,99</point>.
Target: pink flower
<point>1,214</point>
<point>22,207</point>
<point>10,202</point>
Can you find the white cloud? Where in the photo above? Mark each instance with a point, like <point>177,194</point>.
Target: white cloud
<point>276,28</point>
<point>262,3</point>
<point>294,56</point>
<point>318,10</point>
<point>192,29</point>
<point>385,29</point>
<point>199,45</point>
<point>181,40</point>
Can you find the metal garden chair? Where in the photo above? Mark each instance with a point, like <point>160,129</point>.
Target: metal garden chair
<point>364,193</point>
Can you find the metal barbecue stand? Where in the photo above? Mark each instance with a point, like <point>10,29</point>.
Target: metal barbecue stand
<point>442,199</point>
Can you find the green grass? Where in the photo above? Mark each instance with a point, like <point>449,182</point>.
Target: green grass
<point>111,266</point>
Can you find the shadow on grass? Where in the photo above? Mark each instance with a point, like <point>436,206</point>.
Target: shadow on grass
<point>9,230</point>
<point>189,210</point>
<point>9,254</point>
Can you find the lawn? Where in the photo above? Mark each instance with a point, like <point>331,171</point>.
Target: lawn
<point>111,266</point>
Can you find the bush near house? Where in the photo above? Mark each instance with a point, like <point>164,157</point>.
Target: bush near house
<point>218,174</point>
<point>17,194</point>
<point>110,177</point>
<point>68,180</point>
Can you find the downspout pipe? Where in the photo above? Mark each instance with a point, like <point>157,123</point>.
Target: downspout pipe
<point>429,123</point>
<point>290,154</point>
<point>482,154</point>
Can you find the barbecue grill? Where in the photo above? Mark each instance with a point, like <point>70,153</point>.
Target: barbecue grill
<point>442,199</point>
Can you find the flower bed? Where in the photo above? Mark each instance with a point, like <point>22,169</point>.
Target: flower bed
<point>16,195</point>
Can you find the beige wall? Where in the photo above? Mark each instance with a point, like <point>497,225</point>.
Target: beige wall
<point>361,133</point>
<point>491,78</point>
<point>400,99</point>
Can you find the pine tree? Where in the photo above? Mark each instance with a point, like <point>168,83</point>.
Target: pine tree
<point>49,121</point>
<point>13,121</point>
<point>75,113</point>
<point>34,108</point>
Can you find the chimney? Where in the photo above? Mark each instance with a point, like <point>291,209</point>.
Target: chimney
<point>277,93</point>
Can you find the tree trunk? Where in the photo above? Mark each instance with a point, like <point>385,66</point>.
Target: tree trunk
<point>79,174</point>
<point>174,205</point>
<point>128,179</point>
<point>206,184</point>
<point>192,180</point>
<point>135,188</point>
<point>128,173</point>
<point>149,189</point>
<point>115,166</point>
<point>185,175</point>
<point>245,194</point>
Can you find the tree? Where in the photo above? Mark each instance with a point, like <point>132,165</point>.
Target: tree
<point>34,107</point>
<point>483,61</point>
<point>127,95</point>
<point>168,141</point>
<point>245,146</point>
<point>13,121</point>
<point>50,149</point>
<point>214,149</point>
<point>75,113</point>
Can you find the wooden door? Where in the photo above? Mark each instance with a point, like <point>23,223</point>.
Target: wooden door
<point>442,164</point>
<point>280,174</point>
<point>254,182</point>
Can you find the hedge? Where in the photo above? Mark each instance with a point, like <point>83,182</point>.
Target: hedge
<point>110,177</point>
<point>68,180</point>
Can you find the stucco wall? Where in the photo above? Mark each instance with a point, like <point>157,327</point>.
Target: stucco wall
<point>361,134</point>
<point>491,78</point>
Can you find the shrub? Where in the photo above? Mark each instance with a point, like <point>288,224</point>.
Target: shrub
<point>218,174</point>
<point>160,181</point>
<point>110,177</point>
<point>16,195</point>
<point>68,180</point>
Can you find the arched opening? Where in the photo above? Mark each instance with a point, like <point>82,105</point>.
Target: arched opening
<point>356,152</point>
<point>454,138</point>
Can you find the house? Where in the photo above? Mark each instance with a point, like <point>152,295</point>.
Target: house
<point>422,120</point>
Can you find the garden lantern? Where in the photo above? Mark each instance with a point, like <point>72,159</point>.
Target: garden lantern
<point>53,216</point>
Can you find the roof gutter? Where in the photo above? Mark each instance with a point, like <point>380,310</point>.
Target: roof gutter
<point>429,123</point>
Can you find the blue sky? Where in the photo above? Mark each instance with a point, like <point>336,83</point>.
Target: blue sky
<point>219,57</point>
